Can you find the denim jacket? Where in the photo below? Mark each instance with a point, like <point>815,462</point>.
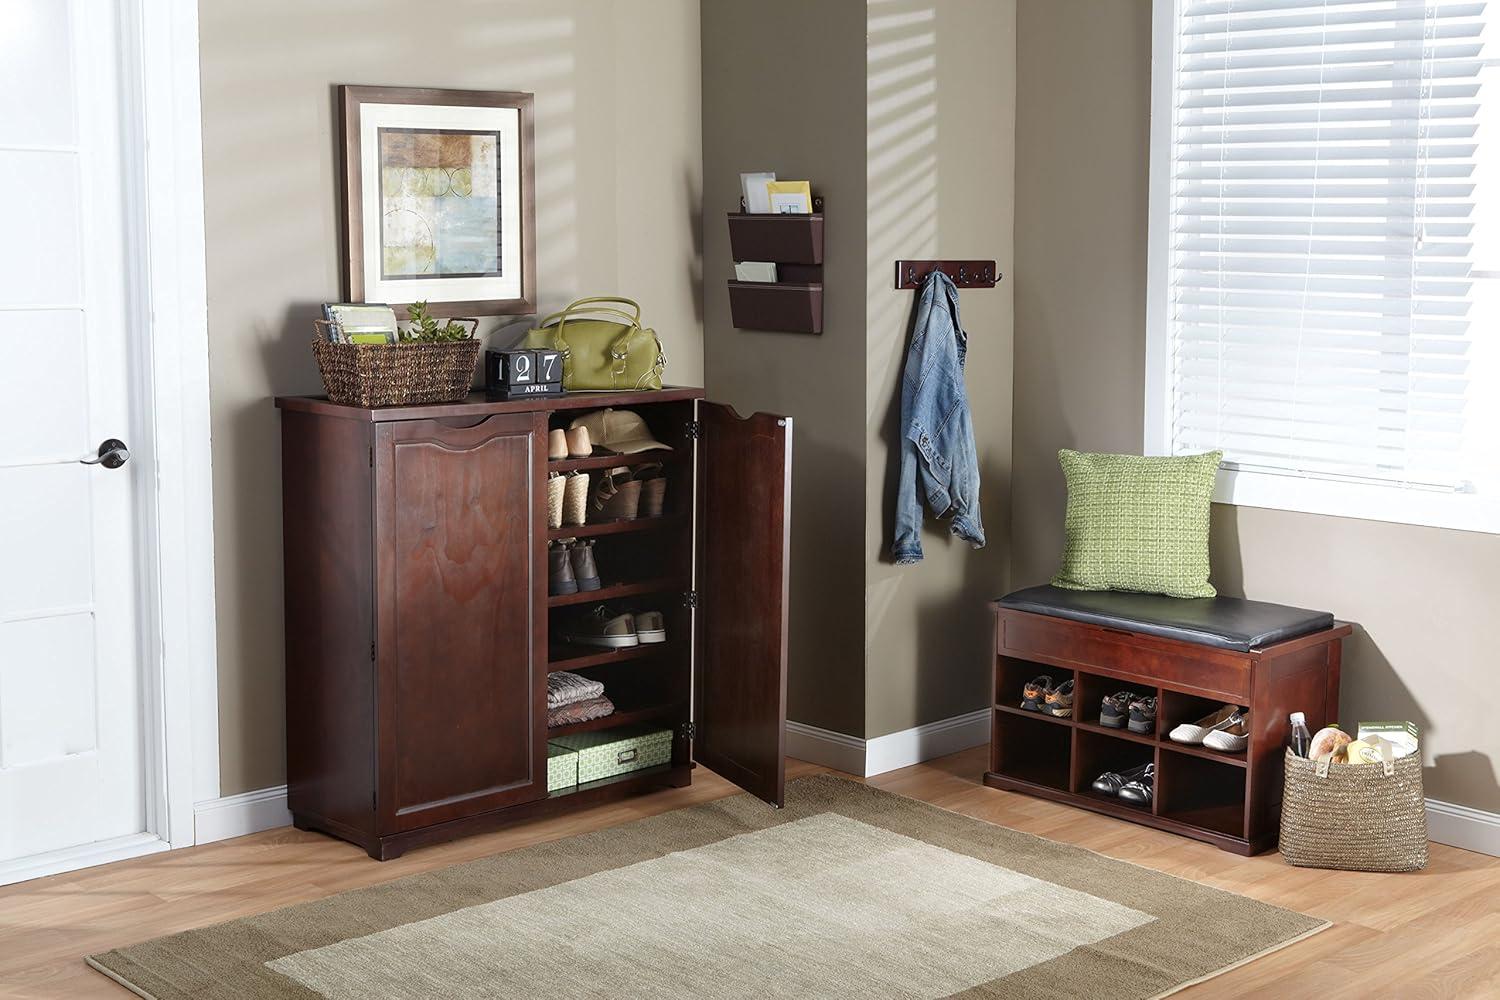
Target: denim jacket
<point>938,460</point>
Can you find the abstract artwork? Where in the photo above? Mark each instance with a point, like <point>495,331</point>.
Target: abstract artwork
<point>439,203</point>
<point>438,199</point>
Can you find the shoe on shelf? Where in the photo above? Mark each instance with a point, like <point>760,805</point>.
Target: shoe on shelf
<point>600,626</point>
<point>557,444</point>
<point>1114,710</point>
<point>556,487</point>
<point>1034,693</point>
<point>1139,791</point>
<point>650,626</point>
<point>1110,782</point>
<point>1194,733</point>
<point>617,497</point>
<point>1059,701</point>
<point>560,578</point>
<point>575,508</point>
<point>1231,738</point>
<point>653,479</point>
<point>584,569</point>
<point>578,443</point>
<point>1143,714</point>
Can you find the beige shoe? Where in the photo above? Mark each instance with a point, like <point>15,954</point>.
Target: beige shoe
<point>578,443</point>
<point>1231,738</point>
<point>576,498</point>
<point>557,444</point>
<point>650,626</point>
<point>556,486</point>
<point>1194,733</point>
<point>617,497</point>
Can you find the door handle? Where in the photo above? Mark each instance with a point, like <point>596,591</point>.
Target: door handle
<point>112,454</point>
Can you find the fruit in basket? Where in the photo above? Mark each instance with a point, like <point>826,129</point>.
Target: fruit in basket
<point>1328,741</point>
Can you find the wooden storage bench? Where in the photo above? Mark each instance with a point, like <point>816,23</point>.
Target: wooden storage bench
<point>1193,655</point>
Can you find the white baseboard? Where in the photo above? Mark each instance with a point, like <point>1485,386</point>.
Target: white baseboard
<point>935,739</point>
<point>826,747</point>
<point>70,859</point>
<point>237,815</point>
<point>1461,826</point>
<point>853,755</point>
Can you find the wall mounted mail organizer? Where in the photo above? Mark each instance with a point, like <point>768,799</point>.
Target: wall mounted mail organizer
<point>793,303</point>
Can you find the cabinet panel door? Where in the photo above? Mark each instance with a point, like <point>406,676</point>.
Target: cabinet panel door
<point>744,496</point>
<point>460,637</point>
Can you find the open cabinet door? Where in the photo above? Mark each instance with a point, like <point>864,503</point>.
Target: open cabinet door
<point>744,528</point>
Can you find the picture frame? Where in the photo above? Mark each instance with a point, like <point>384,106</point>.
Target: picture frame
<point>438,199</point>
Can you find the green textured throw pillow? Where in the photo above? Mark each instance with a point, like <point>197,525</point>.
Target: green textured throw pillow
<point>1138,523</point>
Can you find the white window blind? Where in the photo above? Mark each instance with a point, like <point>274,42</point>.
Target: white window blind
<point>1324,183</point>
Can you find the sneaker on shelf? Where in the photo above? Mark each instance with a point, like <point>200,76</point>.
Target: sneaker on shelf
<point>1143,714</point>
<point>584,569</point>
<point>1233,737</point>
<point>1193,733</point>
<point>560,578</point>
<point>578,443</point>
<point>1059,701</point>
<point>617,497</point>
<point>557,444</point>
<point>575,508</point>
<point>601,626</point>
<point>1114,710</point>
<point>651,626</point>
<point>1034,693</point>
<point>1138,791</point>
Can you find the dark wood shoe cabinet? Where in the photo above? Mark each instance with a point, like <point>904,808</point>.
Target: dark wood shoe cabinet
<point>419,630</point>
<point>1230,800</point>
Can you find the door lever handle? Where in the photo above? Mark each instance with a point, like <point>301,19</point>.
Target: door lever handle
<point>112,454</point>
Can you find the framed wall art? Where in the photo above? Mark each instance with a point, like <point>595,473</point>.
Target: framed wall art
<point>439,200</point>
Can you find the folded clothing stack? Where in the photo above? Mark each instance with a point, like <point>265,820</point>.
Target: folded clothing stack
<point>572,698</point>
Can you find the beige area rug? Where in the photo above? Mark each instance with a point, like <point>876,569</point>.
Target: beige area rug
<point>847,892</point>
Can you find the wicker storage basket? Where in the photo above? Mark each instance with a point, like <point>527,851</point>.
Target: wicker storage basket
<point>396,374</point>
<point>1357,817</point>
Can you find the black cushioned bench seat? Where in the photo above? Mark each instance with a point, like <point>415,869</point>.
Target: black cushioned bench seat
<point>1221,622</point>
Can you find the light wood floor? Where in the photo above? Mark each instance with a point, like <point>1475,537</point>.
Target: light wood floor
<point>1432,934</point>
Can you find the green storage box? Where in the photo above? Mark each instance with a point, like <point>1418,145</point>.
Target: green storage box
<point>562,767</point>
<point>605,753</point>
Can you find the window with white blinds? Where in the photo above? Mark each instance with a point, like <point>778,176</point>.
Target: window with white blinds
<point>1320,186</point>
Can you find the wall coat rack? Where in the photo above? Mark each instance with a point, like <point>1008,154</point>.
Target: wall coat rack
<point>965,273</point>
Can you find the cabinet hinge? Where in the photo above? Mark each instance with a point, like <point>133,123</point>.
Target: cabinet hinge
<point>688,730</point>
<point>372,650</point>
<point>690,599</point>
<point>694,429</point>
<point>372,457</point>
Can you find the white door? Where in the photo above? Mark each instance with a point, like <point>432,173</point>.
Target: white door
<point>72,760</point>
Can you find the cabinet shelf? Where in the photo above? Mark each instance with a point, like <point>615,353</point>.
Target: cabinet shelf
<point>629,716</point>
<point>569,657</point>
<point>1232,759</point>
<point>625,784</point>
<point>618,590</point>
<point>657,457</point>
<point>662,523</point>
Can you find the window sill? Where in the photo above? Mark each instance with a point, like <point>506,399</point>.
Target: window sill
<point>1429,508</point>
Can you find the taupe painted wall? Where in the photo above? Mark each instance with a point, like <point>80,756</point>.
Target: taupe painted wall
<point>618,158</point>
<point>1421,596</point>
<point>940,142</point>
<point>793,101</point>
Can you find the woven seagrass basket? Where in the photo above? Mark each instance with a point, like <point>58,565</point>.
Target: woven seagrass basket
<point>1355,817</point>
<point>396,374</point>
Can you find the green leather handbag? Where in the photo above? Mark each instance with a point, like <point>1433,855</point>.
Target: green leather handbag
<point>603,345</point>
